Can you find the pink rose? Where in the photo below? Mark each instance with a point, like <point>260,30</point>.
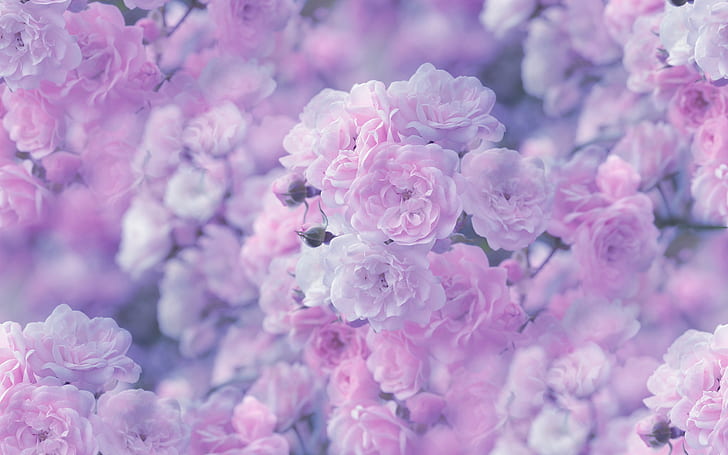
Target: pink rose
<point>404,193</point>
<point>333,343</point>
<point>664,158</point>
<point>617,179</point>
<point>368,430</point>
<point>620,16</point>
<point>137,422</point>
<point>288,390</point>
<point>216,132</point>
<point>22,197</point>
<point>425,408</point>
<point>508,196</point>
<point>710,191</point>
<point>710,143</point>
<point>695,103</point>
<point>580,373</point>
<point>146,235</point>
<point>114,60</point>
<point>453,112</point>
<point>384,284</point>
<point>352,382</point>
<point>253,420</point>
<point>703,420</point>
<point>614,244</point>
<point>246,27</point>
<point>397,364</point>
<point>13,356</point>
<point>35,45</point>
<point>46,418</point>
<point>34,125</point>
<point>88,353</point>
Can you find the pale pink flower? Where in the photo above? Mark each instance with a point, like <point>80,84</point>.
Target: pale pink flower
<point>508,196</point>
<point>397,364</point>
<point>352,382</point>
<point>137,422</point>
<point>23,199</point>
<point>34,125</point>
<point>616,243</point>
<point>34,44</point>
<point>88,353</point>
<point>710,191</point>
<point>289,391</point>
<point>46,418</point>
<point>453,112</point>
<point>13,356</point>
<point>384,284</point>
<point>580,373</point>
<point>404,193</point>
<point>368,430</point>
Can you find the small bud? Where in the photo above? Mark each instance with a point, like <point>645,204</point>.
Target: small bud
<point>316,236</point>
<point>654,431</point>
<point>679,2</point>
<point>290,189</point>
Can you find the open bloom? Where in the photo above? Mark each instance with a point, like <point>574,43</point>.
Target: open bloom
<point>88,353</point>
<point>384,284</point>
<point>508,196</point>
<point>46,418</point>
<point>452,112</point>
<point>34,45</point>
<point>405,193</point>
<point>136,422</point>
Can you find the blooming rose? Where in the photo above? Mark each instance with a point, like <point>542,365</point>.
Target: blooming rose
<point>114,60</point>
<point>22,197</point>
<point>478,302</point>
<point>614,244</point>
<point>46,418</point>
<point>384,284</point>
<point>146,235</point>
<point>508,196</point>
<point>453,112</point>
<point>695,103</point>
<point>664,156</point>
<point>397,364</point>
<point>224,425</point>
<point>404,193</point>
<point>710,190</point>
<point>194,193</point>
<point>702,421</point>
<point>710,142</point>
<point>245,27</point>
<point>217,131</point>
<point>352,382</point>
<point>34,44</point>
<point>502,16</point>
<point>13,356</point>
<point>557,432</point>
<point>88,353</point>
<point>136,422</point>
<point>35,126</point>
<point>368,430</point>
<point>580,373</point>
<point>333,343</point>
<point>288,390</point>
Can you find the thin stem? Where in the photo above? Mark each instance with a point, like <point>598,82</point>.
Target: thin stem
<point>193,5</point>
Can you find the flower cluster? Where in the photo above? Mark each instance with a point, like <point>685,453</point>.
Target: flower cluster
<point>54,371</point>
<point>386,162</point>
<point>487,248</point>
